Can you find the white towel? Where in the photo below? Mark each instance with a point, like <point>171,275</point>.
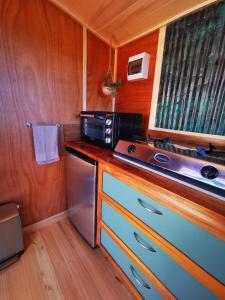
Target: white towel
<point>46,143</point>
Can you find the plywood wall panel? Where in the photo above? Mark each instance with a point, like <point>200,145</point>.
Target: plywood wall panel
<point>135,96</point>
<point>97,66</point>
<point>40,82</point>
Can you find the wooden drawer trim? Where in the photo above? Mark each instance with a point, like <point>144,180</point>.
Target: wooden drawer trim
<point>201,216</point>
<point>149,275</point>
<point>201,275</point>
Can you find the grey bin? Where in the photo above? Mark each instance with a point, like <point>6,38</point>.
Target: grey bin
<point>11,236</point>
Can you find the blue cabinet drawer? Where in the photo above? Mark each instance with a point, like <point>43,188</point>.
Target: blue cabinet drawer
<point>172,275</point>
<point>133,273</point>
<point>201,246</point>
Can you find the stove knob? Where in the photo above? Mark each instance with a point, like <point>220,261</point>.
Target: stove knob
<point>209,172</point>
<point>108,130</point>
<point>108,122</point>
<point>131,149</point>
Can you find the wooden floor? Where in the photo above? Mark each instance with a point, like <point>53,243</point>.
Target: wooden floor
<point>58,264</point>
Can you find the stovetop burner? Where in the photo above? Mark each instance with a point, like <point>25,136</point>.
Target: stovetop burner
<point>196,166</point>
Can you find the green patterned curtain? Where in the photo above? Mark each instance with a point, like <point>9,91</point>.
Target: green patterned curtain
<point>192,84</point>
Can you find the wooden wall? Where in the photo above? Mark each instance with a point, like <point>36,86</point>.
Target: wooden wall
<point>40,82</point>
<point>97,66</point>
<point>135,96</point>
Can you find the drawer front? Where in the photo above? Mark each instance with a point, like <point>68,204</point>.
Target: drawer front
<point>133,273</point>
<point>173,276</point>
<point>201,246</point>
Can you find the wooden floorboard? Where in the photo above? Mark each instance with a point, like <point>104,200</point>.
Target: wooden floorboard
<point>59,264</point>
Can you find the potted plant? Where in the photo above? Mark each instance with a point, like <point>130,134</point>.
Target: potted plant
<point>109,86</point>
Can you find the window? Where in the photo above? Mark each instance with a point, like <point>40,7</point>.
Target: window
<point>191,94</point>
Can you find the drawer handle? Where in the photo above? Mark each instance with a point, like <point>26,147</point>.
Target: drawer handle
<point>149,209</point>
<point>138,279</point>
<point>143,243</point>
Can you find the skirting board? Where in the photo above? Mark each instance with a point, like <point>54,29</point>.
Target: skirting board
<point>44,223</point>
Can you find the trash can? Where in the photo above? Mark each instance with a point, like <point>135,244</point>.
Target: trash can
<point>11,236</point>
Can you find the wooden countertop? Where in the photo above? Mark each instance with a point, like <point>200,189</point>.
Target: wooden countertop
<point>196,198</point>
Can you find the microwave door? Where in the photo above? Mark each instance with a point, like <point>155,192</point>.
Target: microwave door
<point>94,129</point>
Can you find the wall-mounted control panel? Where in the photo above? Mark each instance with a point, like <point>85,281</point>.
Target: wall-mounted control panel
<point>138,66</point>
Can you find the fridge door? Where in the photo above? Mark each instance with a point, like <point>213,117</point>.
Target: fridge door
<point>81,194</point>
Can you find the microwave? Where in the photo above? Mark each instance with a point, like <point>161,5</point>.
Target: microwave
<point>106,128</point>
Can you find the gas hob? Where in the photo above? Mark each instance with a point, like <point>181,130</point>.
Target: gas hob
<point>204,172</point>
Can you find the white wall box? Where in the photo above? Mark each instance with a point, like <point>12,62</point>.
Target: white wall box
<point>138,66</point>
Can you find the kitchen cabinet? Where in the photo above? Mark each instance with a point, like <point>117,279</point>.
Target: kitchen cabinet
<point>145,288</point>
<point>171,254</point>
<point>166,244</point>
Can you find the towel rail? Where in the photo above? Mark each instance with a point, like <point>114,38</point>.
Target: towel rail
<point>30,125</point>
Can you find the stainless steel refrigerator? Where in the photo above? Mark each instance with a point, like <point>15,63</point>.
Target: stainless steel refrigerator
<point>81,174</point>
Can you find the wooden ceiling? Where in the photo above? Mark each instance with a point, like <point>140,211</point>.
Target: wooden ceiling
<point>124,20</point>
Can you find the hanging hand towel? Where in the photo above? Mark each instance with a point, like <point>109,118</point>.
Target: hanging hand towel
<point>46,143</point>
